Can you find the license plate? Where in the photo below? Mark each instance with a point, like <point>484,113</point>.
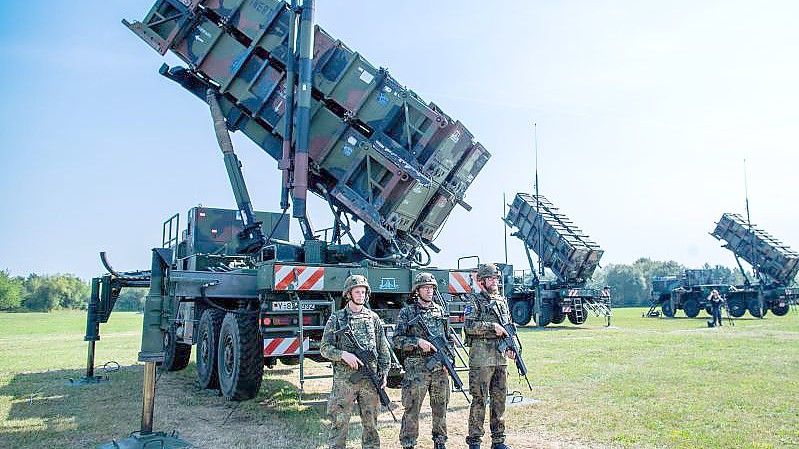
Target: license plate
<point>290,305</point>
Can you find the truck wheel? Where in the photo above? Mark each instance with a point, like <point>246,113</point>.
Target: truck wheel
<point>557,315</point>
<point>737,307</point>
<point>755,310</point>
<point>521,312</point>
<point>240,357</point>
<point>780,310</point>
<point>176,355</point>
<point>691,308</point>
<point>546,315</point>
<point>207,341</point>
<point>667,309</point>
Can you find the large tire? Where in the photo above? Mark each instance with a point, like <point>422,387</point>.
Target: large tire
<point>176,355</point>
<point>521,312</point>
<point>754,308</point>
<point>691,308</point>
<point>778,310</point>
<point>557,315</point>
<point>207,342</point>
<point>546,315</point>
<point>667,309</point>
<point>737,307</point>
<point>240,357</point>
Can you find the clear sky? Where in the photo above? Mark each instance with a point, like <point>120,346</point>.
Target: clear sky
<point>645,112</point>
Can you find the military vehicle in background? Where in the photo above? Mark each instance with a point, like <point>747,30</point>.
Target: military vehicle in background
<point>231,283</point>
<point>687,291</point>
<point>564,249</point>
<point>774,264</point>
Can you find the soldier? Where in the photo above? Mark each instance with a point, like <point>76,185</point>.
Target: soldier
<point>348,384</point>
<point>419,378</point>
<point>715,300</point>
<point>488,367</point>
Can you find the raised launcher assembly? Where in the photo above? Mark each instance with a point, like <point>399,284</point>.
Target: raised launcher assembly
<point>763,252</point>
<point>373,148</point>
<point>562,247</point>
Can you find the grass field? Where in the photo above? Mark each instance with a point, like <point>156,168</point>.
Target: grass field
<point>641,383</point>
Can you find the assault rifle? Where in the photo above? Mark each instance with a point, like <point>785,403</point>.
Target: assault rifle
<point>442,354</point>
<point>366,356</point>
<point>512,342</point>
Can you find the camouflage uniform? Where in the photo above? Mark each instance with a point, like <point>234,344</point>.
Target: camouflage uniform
<point>488,367</point>
<point>349,385</point>
<point>419,379</point>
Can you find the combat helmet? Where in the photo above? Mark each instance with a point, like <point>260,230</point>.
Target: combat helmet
<point>355,280</point>
<point>487,270</point>
<point>424,279</point>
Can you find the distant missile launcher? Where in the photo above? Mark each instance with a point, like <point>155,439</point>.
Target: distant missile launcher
<point>563,247</point>
<point>766,254</point>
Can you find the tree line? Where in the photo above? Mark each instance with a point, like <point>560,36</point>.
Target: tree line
<point>45,293</point>
<point>630,286</point>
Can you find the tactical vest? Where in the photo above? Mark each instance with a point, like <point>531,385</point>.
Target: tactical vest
<point>482,312</point>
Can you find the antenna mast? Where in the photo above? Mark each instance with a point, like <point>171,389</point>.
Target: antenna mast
<point>538,205</point>
<point>505,226</point>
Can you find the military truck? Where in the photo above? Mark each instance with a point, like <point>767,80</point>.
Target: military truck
<point>230,283</point>
<point>687,291</point>
<point>564,249</point>
<point>774,265</point>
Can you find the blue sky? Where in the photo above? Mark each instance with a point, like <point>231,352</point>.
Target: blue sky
<point>645,112</point>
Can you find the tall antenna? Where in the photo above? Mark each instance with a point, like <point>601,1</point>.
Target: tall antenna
<point>749,222</point>
<point>746,194</point>
<point>505,226</point>
<point>538,206</point>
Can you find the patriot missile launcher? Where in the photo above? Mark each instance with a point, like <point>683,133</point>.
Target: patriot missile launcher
<point>775,266</point>
<point>564,249</point>
<point>230,284</point>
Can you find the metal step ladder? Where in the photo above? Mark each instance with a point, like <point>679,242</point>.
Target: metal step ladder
<point>579,310</point>
<point>330,302</point>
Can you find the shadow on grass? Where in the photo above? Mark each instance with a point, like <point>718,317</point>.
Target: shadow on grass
<point>43,411</point>
<point>552,327</point>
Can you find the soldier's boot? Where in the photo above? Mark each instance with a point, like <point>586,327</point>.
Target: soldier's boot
<point>500,446</point>
<point>474,445</point>
<point>408,447</point>
<point>439,445</point>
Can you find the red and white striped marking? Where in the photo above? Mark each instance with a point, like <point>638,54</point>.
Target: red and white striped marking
<point>460,282</point>
<point>297,277</point>
<point>284,346</point>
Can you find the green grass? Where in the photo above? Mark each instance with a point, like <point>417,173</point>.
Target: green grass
<point>641,383</point>
<point>668,382</point>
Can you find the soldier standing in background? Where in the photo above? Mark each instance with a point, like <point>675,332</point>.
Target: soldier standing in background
<point>348,384</point>
<point>419,379</point>
<point>715,307</point>
<point>488,367</point>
